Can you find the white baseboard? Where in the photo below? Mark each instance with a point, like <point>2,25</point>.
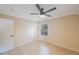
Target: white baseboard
<point>17,46</point>
<point>76,50</point>
<point>23,43</point>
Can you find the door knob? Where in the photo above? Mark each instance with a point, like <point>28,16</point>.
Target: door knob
<point>12,35</point>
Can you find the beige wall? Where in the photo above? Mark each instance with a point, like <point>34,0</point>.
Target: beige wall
<point>63,31</point>
<point>24,30</point>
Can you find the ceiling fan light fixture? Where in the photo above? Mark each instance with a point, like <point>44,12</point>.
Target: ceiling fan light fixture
<point>42,16</point>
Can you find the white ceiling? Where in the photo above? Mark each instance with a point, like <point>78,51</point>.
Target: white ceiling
<point>24,10</point>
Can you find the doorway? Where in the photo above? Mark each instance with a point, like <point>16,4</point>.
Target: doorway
<point>6,35</point>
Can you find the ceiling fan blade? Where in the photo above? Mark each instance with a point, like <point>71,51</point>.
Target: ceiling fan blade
<point>40,9</point>
<point>47,15</point>
<point>50,10</point>
<point>34,13</point>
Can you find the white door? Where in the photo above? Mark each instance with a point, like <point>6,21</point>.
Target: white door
<point>6,30</point>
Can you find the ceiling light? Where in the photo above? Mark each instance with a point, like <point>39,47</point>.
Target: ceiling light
<point>42,16</point>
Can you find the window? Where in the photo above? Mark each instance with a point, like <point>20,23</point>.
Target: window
<point>44,29</point>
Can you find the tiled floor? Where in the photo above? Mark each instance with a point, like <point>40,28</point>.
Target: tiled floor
<point>40,48</point>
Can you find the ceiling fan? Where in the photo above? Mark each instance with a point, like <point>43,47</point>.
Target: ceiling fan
<point>42,12</point>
